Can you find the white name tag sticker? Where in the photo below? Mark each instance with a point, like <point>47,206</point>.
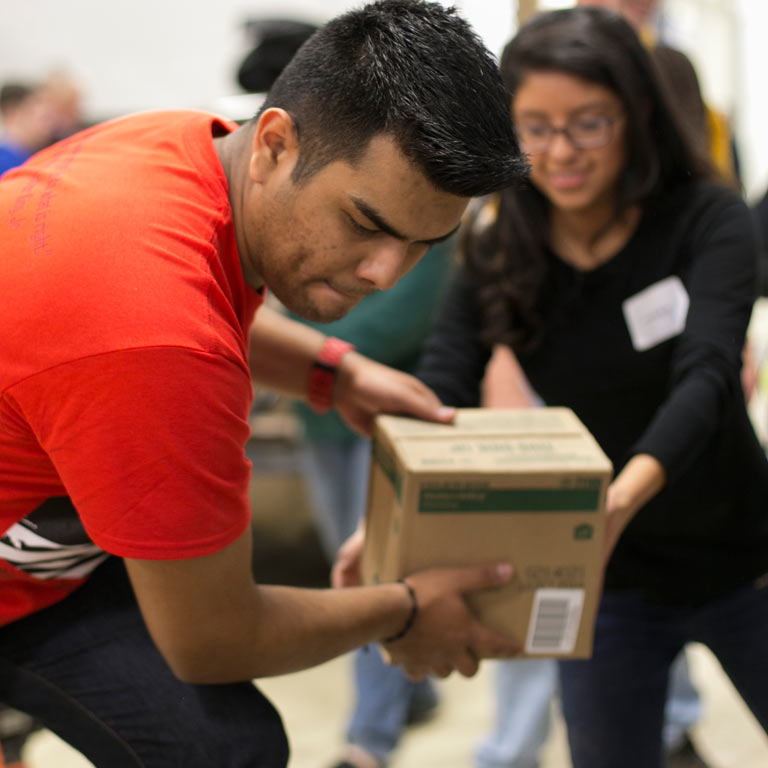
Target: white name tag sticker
<point>657,313</point>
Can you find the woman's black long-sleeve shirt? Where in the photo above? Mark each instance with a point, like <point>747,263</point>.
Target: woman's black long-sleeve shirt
<point>678,399</point>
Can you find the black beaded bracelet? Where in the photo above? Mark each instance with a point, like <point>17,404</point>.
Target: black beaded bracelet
<point>412,616</point>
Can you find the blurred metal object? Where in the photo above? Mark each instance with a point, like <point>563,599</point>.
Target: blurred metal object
<point>275,41</point>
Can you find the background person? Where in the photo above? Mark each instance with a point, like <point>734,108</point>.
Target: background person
<point>126,551</point>
<point>28,121</point>
<point>708,124</point>
<point>389,327</point>
<point>65,98</point>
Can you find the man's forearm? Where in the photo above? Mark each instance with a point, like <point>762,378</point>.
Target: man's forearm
<point>281,352</point>
<point>290,629</point>
<point>214,625</point>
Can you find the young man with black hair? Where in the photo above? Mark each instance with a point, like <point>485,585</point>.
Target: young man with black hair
<point>136,254</point>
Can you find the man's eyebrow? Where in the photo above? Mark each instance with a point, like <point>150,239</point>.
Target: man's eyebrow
<point>373,216</point>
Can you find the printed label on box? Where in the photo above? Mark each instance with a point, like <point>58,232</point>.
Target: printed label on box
<point>554,623</point>
<point>507,500</point>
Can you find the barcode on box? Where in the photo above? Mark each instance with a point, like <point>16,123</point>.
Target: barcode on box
<point>555,618</point>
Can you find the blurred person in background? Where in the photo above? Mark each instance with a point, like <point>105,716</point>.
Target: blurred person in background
<point>641,14</point>
<point>35,116</point>
<point>389,327</point>
<point>65,98</point>
<point>680,76</point>
<point>28,121</point>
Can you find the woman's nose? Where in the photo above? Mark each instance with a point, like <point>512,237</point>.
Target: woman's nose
<point>561,145</point>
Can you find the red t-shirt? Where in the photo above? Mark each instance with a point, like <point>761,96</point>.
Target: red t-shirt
<point>124,384</point>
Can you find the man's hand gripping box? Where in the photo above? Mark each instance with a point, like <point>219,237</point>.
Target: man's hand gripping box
<point>525,486</point>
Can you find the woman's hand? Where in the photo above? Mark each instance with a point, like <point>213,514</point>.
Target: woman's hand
<point>640,480</point>
<point>346,568</point>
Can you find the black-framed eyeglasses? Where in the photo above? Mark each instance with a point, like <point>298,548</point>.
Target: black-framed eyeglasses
<point>586,132</point>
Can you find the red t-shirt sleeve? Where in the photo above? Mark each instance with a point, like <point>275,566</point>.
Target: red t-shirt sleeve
<point>150,446</point>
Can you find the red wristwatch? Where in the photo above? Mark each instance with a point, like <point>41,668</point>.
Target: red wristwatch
<point>322,377</point>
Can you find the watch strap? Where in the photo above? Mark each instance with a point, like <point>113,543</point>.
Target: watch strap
<point>322,375</point>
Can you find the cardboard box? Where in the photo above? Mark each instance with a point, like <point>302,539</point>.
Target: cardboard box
<point>526,486</point>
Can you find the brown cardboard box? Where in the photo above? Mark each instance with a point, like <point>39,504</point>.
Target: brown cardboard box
<point>526,486</point>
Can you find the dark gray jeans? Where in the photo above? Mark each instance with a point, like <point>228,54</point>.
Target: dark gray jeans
<point>614,702</point>
<point>87,670</point>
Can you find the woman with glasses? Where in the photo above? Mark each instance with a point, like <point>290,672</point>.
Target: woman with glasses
<point>622,277</point>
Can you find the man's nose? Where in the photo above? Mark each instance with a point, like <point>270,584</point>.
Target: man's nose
<point>383,265</point>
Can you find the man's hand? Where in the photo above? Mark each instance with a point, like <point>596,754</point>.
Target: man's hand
<point>445,635</point>
<point>365,388</point>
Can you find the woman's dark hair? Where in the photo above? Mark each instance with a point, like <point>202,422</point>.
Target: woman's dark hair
<point>517,296</point>
<point>411,69</point>
<point>677,70</point>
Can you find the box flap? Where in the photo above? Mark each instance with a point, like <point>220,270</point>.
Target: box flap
<point>497,440</point>
<point>491,421</point>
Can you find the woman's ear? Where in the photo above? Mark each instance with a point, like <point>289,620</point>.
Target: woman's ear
<point>273,144</point>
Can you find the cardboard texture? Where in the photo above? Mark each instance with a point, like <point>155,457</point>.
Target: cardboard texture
<point>526,486</point>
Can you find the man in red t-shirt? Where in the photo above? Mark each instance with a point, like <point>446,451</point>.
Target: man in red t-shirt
<point>135,256</point>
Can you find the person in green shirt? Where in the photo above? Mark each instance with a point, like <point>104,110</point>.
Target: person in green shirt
<point>388,326</point>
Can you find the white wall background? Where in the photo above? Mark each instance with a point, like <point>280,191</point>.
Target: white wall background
<point>144,54</point>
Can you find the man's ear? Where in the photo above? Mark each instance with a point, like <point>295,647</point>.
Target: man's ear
<point>274,143</point>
